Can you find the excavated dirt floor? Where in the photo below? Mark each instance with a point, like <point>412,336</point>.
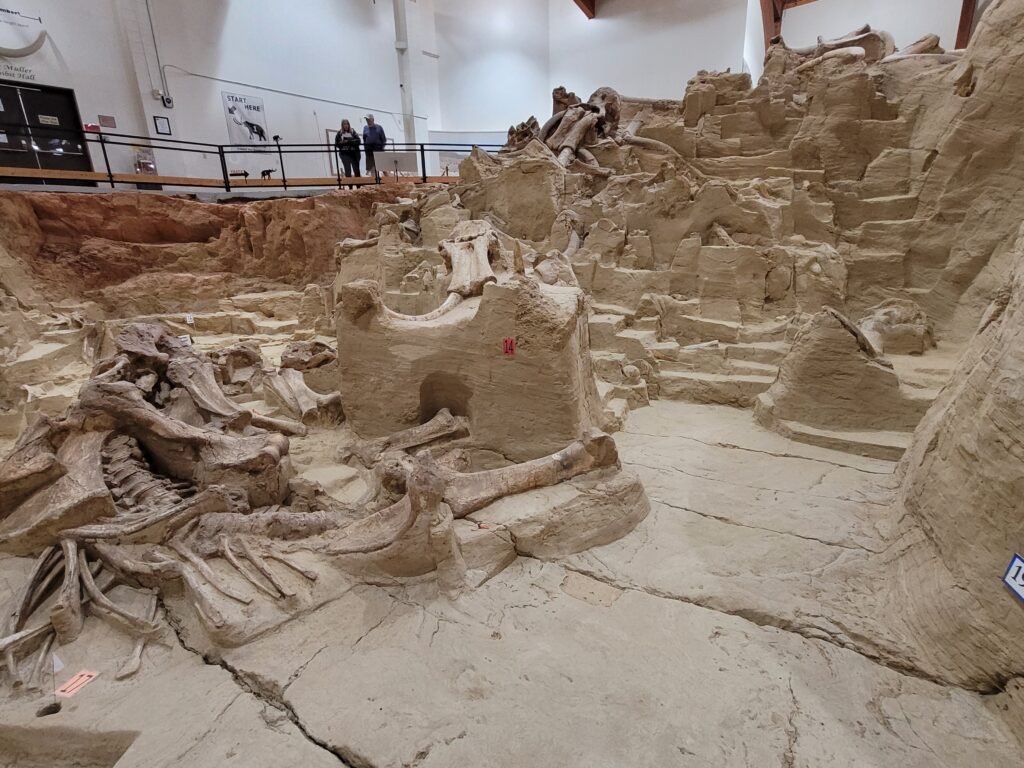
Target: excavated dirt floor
<point>712,635</point>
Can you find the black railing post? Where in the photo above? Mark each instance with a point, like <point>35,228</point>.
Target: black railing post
<point>336,157</point>
<point>423,162</point>
<point>280,159</point>
<point>106,160</point>
<point>224,168</point>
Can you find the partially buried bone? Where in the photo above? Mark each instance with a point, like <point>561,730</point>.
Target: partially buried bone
<point>286,388</point>
<point>134,661</point>
<point>468,255</point>
<point>443,425</point>
<point>466,493</point>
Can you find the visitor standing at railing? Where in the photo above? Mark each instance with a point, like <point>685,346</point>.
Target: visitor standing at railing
<point>346,142</point>
<point>373,140</point>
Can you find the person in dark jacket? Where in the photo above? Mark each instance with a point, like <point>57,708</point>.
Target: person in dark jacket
<point>373,140</point>
<point>346,142</point>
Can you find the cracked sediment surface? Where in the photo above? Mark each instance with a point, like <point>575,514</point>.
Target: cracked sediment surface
<point>736,626</point>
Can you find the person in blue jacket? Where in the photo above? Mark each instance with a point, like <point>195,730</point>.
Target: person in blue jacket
<point>373,140</point>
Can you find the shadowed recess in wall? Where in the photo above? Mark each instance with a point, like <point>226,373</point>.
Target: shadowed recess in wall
<point>443,390</point>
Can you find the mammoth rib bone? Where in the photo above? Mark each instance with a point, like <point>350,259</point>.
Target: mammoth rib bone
<point>66,614</point>
<point>208,573</point>
<point>107,610</point>
<point>232,558</point>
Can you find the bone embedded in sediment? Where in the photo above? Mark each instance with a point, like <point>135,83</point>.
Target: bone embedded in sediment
<point>469,253</point>
<point>75,498</point>
<point>466,493</point>
<point>442,425</point>
<point>286,388</point>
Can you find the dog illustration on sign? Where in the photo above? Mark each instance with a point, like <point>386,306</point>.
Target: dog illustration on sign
<point>255,129</point>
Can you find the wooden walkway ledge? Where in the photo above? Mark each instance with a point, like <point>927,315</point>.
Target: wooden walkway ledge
<point>10,174</point>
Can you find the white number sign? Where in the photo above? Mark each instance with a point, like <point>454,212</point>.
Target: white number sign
<point>1014,577</point>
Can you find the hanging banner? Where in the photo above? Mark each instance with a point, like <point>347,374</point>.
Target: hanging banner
<point>247,122</point>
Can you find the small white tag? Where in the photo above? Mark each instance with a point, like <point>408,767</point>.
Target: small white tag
<point>1014,576</point>
<point>185,338</point>
<point>58,665</point>
<point>190,319</point>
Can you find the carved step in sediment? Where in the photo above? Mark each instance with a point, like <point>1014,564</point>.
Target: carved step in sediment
<point>713,388</point>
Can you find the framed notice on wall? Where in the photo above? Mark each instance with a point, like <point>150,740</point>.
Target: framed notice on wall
<point>246,119</point>
<point>162,125</point>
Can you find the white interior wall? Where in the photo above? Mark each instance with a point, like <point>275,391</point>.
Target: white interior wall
<point>424,58</point>
<point>647,49</point>
<point>297,57</point>
<point>493,66</point>
<point>477,66</point>
<point>84,51</point>
<point>753,40</point>
<point>906,20</point>
<point>319,51</point>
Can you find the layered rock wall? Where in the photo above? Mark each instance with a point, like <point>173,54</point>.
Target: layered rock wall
<point>117,248</point>
<point>962,506</point>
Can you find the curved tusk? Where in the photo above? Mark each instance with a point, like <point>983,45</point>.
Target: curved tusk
<point>450,303</point>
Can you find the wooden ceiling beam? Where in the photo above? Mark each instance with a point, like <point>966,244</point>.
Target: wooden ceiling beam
<point>771,16</point>
<point>589,7</point>
<point>772,12</point>
<point>963,32</point>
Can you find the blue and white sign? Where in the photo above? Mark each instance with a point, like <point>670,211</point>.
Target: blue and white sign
<point>1014,576</point>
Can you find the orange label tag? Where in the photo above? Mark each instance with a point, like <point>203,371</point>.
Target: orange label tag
<point>76,683</point>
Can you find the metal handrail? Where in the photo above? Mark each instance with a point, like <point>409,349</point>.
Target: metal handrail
<point>116,139</point>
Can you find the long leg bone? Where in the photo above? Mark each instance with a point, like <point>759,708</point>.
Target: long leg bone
<point>466,493</point>
<point>442,425</point>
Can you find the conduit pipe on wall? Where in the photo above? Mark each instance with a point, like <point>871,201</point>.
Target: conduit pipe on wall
<point>287,93</point>
<point>404,70</point>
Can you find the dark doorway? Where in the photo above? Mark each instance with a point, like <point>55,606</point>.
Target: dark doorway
<point>443,390</point>
<point>40,127</point>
